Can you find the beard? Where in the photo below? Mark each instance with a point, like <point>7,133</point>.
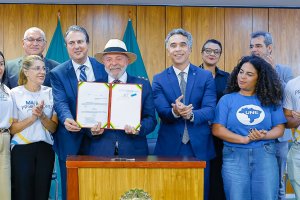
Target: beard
<point>112,67</point>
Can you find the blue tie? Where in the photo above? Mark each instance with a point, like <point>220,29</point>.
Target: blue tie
<point>82,76</point>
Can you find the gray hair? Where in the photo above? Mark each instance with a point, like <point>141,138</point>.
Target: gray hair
<point>35,29</point>
<point>268,39</point>
<point>180,31</point>
<point>76,28</point>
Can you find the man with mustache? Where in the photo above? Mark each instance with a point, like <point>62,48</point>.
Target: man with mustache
<point>261,44</point>
<point>127,142</point>
<point>34,43</point>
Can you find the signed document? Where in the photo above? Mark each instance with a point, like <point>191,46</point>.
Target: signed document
<point>92,104</point>
<point>126,105</point>
<point>114,105</point>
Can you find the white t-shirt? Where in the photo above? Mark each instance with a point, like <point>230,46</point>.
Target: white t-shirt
<point>6,108</point>
<point>24,101</point>
<point>291,100</point>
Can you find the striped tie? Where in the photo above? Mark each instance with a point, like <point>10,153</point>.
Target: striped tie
<point>82,76</point>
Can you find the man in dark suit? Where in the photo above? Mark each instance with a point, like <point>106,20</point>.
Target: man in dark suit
<point>185,99</point>
<point>68,140</point>
<point>129,142</point>
<point>34,43</point>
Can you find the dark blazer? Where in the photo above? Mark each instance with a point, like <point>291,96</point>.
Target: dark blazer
<point>201,92</point>
<point>64,87</point>
<point>14,66</point>
<point>129,145</point>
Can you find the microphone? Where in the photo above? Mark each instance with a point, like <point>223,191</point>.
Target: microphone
<point>116,152</point>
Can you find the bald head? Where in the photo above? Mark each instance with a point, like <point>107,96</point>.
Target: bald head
<point>34,41</point>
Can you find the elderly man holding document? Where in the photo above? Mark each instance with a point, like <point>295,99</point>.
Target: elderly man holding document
<point>128,104</point>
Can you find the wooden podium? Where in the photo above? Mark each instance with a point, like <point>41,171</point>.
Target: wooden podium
<point>164,178</point>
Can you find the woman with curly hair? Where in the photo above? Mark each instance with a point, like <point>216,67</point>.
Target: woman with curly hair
<point>249,118</point>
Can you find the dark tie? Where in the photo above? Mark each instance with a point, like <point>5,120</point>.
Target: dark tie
<point>185,137</point>
<point>116,81</point>
<point>82,76</point>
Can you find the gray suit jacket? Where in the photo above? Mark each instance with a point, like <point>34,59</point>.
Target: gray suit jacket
<point>13,68</point>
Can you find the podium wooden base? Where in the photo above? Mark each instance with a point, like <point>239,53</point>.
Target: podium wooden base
<point>101,178</point>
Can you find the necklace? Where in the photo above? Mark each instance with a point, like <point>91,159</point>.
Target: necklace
<point>35,95</point>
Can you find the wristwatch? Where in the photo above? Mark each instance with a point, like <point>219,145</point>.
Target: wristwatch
<point>191,116</point>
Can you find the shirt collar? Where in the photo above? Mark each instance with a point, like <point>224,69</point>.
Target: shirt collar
<point>177,71</point>
<point>87,64</point>
<point>123,78</point>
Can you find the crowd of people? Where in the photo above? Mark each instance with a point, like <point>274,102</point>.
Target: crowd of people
<point>238,122</point>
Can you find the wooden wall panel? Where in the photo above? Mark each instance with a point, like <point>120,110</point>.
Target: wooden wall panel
<point>1,28</point>
<point>284,26</point>
<point>238,27</point>
<point>151,33</point>
<point>173,20</point>
<point>260,19</point>
<point>203,24</point>
<point>104,22</point>
<point>19,17</point>
<point>232,26</point>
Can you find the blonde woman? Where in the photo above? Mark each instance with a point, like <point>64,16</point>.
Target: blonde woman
<point>6,109</point>
<point>34,120</point>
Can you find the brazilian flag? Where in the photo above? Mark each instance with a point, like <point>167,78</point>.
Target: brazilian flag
<point>57,49</point>
<point>137,68</point>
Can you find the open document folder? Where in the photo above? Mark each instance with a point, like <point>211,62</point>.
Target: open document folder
<point>114,105</point>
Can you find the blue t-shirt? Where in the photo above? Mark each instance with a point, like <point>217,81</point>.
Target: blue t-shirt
<point>240,113</point>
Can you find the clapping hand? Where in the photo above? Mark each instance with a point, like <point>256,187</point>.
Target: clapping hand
<point>181,109</point>
<point>38,110</point>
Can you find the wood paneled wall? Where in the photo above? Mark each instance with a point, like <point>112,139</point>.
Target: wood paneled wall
<point>232,26</point>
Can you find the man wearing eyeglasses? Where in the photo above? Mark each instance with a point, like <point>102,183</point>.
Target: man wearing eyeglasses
<point>34,43</point>
<point>261,44</point>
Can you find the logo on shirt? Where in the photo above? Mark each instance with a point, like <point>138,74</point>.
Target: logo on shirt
<point>3,97</point>
<point>250,115</point>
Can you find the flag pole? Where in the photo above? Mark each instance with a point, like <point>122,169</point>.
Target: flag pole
<point>129,15</point>
<point>58,15</point>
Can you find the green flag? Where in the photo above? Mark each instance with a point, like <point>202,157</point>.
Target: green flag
<point>57,50</point>
<point>137,68</point>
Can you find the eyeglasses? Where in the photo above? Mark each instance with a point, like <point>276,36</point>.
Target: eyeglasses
<point>216,52</point>
<point>38,68</point>
<point>31,40</point>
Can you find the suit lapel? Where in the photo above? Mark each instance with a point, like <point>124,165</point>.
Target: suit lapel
<point>174,82</point>
<point>130,79</point>
<point>190,83</point>
<point>72,77</point>
<point>97,70</point>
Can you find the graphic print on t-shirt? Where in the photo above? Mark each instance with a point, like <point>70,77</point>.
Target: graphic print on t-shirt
<point>250,114</point>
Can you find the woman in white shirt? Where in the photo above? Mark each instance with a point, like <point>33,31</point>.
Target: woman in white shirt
<point>34,120</point>
<point>6,109</point>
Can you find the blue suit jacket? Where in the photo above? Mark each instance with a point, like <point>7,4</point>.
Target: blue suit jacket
<point>129,145</point>
<point>201,92</point>
<point>64,87</point>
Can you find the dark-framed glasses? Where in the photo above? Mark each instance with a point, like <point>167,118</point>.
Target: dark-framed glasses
<point>209,51</point>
